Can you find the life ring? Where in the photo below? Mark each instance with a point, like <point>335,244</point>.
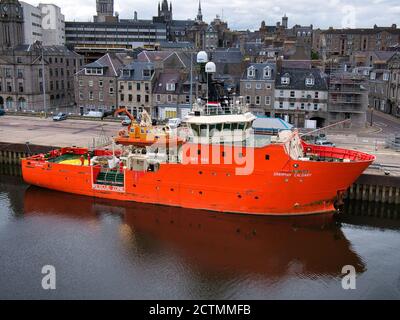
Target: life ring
<point>121,133</point>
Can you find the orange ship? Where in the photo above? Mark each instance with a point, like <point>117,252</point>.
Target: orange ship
<point>221,166</point>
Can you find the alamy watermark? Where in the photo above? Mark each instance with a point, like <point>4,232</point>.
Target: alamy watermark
<point>49,280</point>
<point>349,278</point>
<point>49,17</point>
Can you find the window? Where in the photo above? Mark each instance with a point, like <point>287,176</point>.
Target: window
<point>90,83</point>
<point>111,90</point>
<point>169,98</point>
<point>373,76</point>
<point>385,76</point>
<point>281,105</point>
<point>309,81</point>
<point>302,106</point>
<point>268,86</point>
<point>170,86</point>
<point>121,97</point>
<point>315,106</point>
<point>248,99</point>
<point>101,96</point>
<point>100,83</point>
<point>138,98</point>
<point>130,86</point>
<point>285,80</point>
<point>267,72</point>
<point>267,100</point>
<point>316,95</point>
<point>146,86</point>
<point>258,86</point>
<point>146,98</point>
<point>90,95</point>
<point>130,97</point>
<point>248,85</point>
<point>258,100</point>
<point>251,72</point>
<point>281,93</point>
<point>121,86</point>
<point>158,98</point>
<point>291,105</point>
<point>138,86</point>
<point>292,94</point>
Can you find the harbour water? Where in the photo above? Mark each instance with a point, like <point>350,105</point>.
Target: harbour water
<point>103,249</point>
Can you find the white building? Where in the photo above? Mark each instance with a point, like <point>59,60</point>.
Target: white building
<point>53,25</point>
<point>32,23</point>
<point>44,23</point>
<point>300,95</point>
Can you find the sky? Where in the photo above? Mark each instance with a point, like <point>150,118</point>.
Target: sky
<point>248,14</point>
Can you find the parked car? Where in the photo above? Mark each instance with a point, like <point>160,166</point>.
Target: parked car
<point>60,117</point>
<point>325,143</point>
<point>126,121</point>
<point>174,123</point>
<point>2,112</point>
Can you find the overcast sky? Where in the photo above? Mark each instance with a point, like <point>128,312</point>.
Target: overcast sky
<point>247,14</point>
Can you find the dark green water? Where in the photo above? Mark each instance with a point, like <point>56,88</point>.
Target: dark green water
<point>103,249</point>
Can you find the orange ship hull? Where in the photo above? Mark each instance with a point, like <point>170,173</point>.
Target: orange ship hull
<point>278,185</point>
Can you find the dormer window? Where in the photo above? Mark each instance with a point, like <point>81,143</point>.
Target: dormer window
<point>285,79</point>
<point>126,72</point>
<point>267,72</point>
<point>170,86</point>
<point>251,72</point>
<point>310,81</point>
<point>147,72</point>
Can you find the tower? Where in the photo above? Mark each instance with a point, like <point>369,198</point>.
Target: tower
<point>165,12</point>
<point>285,22</point>
<point>199,13</point>
<point>104,8</point>
<point>11,22</point>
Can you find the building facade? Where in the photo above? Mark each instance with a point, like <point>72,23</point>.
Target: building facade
<point>394,86</point>
<point>300,95</point>
<point>23,75</point>
<point>96,84</point>
<point>343,42</point>
<point>32,23</point>
<point>348,98</point>
<point>11,24</point>
<point>136,87</point>
<point>258,88</point>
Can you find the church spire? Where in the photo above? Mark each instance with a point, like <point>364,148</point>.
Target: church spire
<point>199,13</point>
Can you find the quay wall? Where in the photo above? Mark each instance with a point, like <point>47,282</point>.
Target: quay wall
<point>369,187</point>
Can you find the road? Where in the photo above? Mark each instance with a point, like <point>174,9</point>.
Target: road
<point>388,124</point>
<point>17,129</point>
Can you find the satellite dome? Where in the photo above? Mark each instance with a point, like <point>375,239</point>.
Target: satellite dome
<point>211,67</point>
<point>202,57</point>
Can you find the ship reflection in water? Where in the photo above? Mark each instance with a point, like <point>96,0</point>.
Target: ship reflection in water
<point>106,249</point>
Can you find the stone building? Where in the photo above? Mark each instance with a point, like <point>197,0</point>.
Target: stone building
<point>343,42</point>
<point>11,24</point>
<point>96,84</point>
<point>171,94</point>
<point>348,98</point>
<point>394,86</point>
<point>257,87</point>
<point>300,95</point>
<point>22,74</point>
<point>136,87</point>
<point>378,85</point>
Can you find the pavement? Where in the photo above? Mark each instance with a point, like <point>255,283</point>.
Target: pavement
<point>46,132</point>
